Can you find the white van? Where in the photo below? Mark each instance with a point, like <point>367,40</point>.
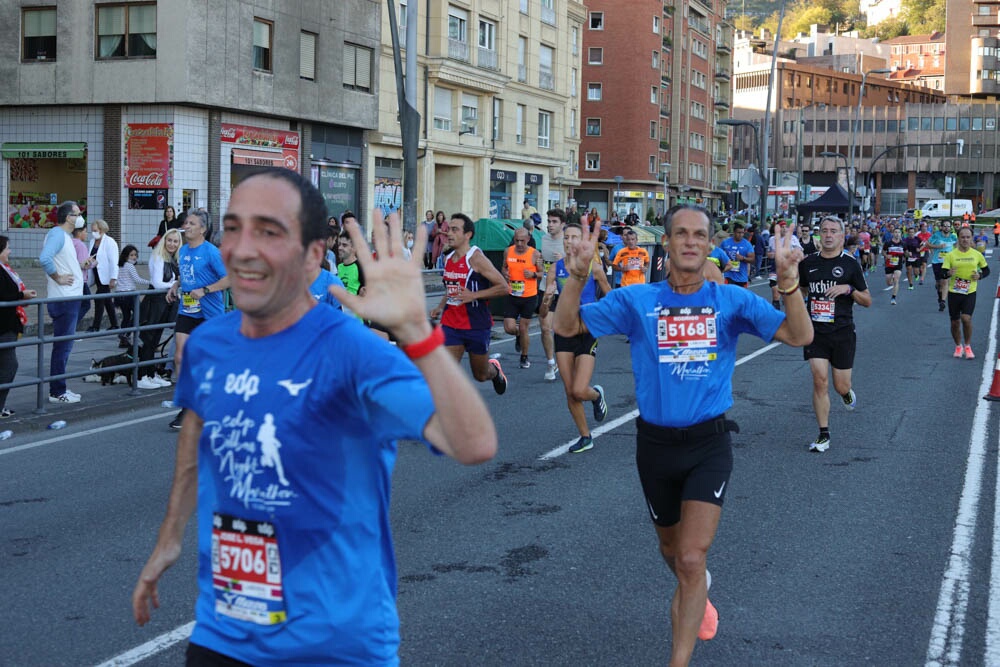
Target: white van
<point>946,208</point>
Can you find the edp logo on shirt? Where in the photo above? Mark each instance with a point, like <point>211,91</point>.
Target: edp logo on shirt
<point>244,384</point>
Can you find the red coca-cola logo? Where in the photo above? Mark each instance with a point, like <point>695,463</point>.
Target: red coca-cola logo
<point>291,140</point>
<point>153,179</point>
<point>229,132</point>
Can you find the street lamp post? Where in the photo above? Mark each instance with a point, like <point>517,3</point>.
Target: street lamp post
<point>854,133</point>
<point>666,198</point>
<point>760,174</point>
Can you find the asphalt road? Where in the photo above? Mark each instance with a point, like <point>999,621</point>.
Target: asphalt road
<point>877,552</point>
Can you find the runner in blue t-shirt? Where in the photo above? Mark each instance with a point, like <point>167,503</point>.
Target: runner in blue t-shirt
<point>740,251</point>
<point>320,287</point>
<point>288,444</point>
<point>199,287</point>
<point>683,334</point>
<point>941,243</point>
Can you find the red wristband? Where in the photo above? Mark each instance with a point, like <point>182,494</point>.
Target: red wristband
<point>426,346</point>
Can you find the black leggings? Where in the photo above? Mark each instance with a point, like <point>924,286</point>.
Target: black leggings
<point>100,305</point>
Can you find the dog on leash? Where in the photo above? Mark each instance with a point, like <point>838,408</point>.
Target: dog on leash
<point>113,377</point>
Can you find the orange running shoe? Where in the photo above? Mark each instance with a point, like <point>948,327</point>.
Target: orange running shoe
<point>710,623</point>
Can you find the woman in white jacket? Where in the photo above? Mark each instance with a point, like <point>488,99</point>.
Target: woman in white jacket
<point>105,250</point>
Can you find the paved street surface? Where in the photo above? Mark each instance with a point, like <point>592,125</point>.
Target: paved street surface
<point>878,552</point>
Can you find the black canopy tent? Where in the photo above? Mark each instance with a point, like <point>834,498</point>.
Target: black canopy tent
<point>834,200</point>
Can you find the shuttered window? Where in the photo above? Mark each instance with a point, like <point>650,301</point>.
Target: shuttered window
<point>307,55</point>
<point>357,67</point>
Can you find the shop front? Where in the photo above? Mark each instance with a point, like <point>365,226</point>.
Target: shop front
<point>253,149</point>
<point>629,201</point>
<point>592,200</point>
<point>501,192</point>
<point>40,176</point>
<point>337,155</point>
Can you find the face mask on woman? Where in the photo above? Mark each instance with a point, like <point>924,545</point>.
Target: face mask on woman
<point>97,236</point>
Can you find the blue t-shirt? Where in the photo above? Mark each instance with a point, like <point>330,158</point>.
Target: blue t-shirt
<point>200,267</point>
<point>949,241</point>
<point>732,248</point>
<point>294,466</point>
<point>683,346</point>
<point>720,255</point>
<point>589,293</point>
<point>320,288</point>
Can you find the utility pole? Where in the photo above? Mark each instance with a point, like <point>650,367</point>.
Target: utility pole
<point>766,143</point>
<point>409,117</point>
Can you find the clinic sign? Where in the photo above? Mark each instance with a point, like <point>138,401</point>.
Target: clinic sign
<point>149,155</point>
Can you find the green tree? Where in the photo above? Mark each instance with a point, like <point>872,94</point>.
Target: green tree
<point>924,16</point>
<point>887,29</point>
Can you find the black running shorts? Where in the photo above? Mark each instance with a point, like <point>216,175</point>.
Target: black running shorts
<point>520,306</point>
<point>961,304</point>
<point>837,346</point>
<point>185,324</point>
<point>674,471</point>
<point>578,345</point>
<point>939,272</point>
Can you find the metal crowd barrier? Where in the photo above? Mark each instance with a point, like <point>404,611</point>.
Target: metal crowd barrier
<point>42,339</point>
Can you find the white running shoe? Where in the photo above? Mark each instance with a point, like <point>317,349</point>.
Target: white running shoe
<point>64,398</point>
<point>550,372</point>
<point>162,381</point>
<point>147,383</point>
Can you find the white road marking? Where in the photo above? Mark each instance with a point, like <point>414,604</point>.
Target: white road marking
<point>945,646</point>
<point>91,431</point>
<point>151,648</point>
<point>624,419</point>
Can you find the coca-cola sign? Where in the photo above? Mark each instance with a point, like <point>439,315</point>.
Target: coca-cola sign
<point>149,155</point>
<point>153,179</point>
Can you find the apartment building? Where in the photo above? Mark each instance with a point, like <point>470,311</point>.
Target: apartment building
<point>973,65</point>
<point>498,91</point>
<point>128,107</point>
<point>657,76</point>
<point>918,59</point>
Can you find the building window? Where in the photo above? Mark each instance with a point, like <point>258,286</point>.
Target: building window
<point>656,60</point>
<point>597,20</point>
<point>39,34</point>
<point>593,162</point>
<point>307,55</point>
<point>497,119</point>
<point>652,164</point>
<point>548,12</point>
<point>262,31</point>
<point>572,123</point>
<point>401,18</point>
<point>656,25</point>
<point>442,109</point>
<point>524,6</point>
<point>593,127</point>
<point>574,39</point>
<point>652,129</point>
<point>458,37</point>
<point>545,57</point>
<point>572,82</point>
<point>357,68</point>
<point>594,92</point>
<point>653,94</point>
<point>126,31</point>
<point>487,44</point>
<point>595,55</point>
<point>519,124</point>
<point>522,65</point>
<point>544,129</point>
<point>470,113</point>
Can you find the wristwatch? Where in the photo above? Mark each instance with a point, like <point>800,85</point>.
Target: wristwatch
<point>207,289</point>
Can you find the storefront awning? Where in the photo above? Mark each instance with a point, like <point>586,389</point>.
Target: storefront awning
<point>258,158</point>
<point>44,150</point>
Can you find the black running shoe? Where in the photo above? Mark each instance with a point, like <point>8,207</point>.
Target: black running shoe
<point>600,405</point>
<point>499,380</point>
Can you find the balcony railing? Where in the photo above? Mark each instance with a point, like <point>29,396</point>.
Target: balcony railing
<point>700,25</point>
<point>723,47</point>
<point>720,158</point>
<point>458,50</point>
<point>985,19</point>
<point>545,79</point>
<point>487,58</point>
<point>722,74</point>
<point>722,104</point>
<point>548,15</point>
